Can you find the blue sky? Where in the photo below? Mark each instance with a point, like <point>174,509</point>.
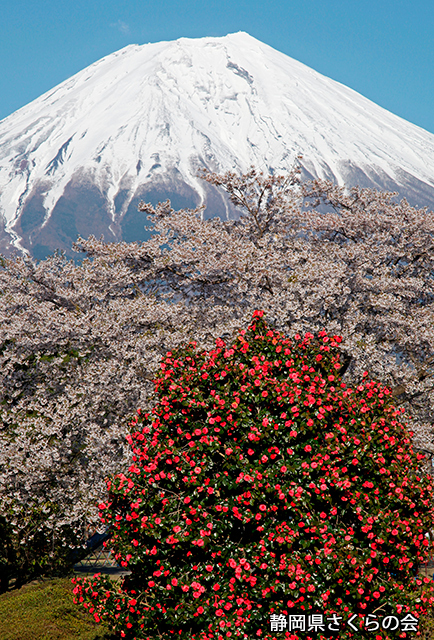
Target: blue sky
<point>383,49</point>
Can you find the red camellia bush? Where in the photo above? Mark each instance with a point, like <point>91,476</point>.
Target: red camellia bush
<point>261,486</point>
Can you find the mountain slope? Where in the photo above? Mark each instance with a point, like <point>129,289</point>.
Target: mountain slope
<point>140,122</point>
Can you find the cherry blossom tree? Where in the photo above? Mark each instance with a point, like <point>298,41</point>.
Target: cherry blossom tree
<point>80,341</point>
<point>317,256</point>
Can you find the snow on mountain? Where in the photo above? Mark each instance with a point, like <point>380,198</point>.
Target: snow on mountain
<point>140,122</point>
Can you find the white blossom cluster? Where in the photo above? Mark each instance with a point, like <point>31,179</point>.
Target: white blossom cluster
<point>81,342</point>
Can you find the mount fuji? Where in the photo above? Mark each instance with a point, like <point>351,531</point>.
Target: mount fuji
<point>139,123</point>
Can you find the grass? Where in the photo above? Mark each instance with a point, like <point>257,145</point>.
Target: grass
<point>45,611</point>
